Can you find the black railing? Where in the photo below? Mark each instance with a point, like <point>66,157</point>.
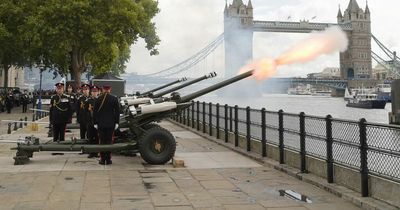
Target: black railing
<point>370,148</point>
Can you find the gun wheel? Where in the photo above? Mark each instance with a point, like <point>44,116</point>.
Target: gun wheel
<point>157,146</point>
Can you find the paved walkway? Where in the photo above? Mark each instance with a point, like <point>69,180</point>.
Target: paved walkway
<point>214,178</point>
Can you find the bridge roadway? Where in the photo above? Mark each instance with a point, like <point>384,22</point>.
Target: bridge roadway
<point>214,178</point>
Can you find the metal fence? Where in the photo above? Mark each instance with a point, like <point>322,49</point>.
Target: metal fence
<point>369,148</point>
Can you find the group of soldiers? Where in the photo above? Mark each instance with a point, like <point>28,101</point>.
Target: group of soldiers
<point>97,112</point>
<point>9,101</point>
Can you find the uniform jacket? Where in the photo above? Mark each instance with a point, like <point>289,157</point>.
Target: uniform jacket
<point>60,109</point>
<point>81,109</point>
<point>89,107</point>
<point>106,111</point>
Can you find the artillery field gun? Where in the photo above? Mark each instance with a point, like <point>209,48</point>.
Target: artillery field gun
<point>138,133</point>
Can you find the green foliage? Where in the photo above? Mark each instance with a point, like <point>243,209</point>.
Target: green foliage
<point>69,34</point>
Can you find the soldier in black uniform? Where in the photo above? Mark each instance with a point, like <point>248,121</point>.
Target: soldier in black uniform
<point>81,112</point>
<point>72,99</point>
<point>60,113</point>
<point>91,131</point>
<point>9,101</point>
<point>106,120</point>
<point>24,100</point>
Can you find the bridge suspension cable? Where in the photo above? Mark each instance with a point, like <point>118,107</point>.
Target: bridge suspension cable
<point>190,62</point>
<point>392,56</point>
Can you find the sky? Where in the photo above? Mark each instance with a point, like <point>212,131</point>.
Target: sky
<point>187,26</point>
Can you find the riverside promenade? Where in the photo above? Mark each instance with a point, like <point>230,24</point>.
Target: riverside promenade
<point>214,177</point>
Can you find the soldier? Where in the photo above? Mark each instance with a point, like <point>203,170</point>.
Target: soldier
<point>9,101</point>
<point>24,100</point>
<point>106,120</point>
<point>60,113</point>
<point>91,131</point>
<point>81,112</point>
<point>72,97</point>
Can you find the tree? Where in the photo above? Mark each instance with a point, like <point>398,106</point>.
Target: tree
<point>69,34</point>
<point>12,50</point>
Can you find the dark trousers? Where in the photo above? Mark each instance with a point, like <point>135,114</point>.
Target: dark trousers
<point>93,137</point>
<point>24,107</point>
<point>83,129</point>
<point>8,109</point>
<point>106,137</point>
<point>59,132</point>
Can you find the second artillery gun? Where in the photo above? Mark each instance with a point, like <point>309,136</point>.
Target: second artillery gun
<point>155,144</point>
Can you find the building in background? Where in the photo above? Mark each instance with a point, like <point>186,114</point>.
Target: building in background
<point>327,73</point>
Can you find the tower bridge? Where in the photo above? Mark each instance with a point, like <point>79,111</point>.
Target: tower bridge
<point>239,27</point>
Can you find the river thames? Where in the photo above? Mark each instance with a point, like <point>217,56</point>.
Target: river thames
<point>311,105</point>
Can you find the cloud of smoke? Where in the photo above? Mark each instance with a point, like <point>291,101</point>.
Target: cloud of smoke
<point>331,40</point>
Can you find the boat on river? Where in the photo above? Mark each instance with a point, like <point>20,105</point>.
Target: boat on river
<point>366,101</point>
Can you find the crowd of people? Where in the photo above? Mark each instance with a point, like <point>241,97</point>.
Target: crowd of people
<point>97,112</point>
<point>10,100</point>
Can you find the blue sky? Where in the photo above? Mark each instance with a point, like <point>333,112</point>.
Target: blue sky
<point>186,26</point>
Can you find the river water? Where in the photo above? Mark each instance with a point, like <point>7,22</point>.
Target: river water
<point>311,105</point>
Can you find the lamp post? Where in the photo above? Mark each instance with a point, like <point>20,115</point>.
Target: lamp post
<point>41,67</point>
<point>89,68</point>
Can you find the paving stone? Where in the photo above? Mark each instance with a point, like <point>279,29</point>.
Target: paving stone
<point>279,203</point>
<point>97,206</point>
<point>175,208</point>
<point>205,203</point>
<point>241,207</point>
<point>31,205</point>
<point>62,205</point>
<point>96,197</point>
<point>330,206</point>
<point>130,207</point>
<point>221,184</point>
<point>157,179</point>
<point>162,187</point>
<point>169,199</point>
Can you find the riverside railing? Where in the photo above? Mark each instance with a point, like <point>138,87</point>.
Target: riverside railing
<point>369,148</point>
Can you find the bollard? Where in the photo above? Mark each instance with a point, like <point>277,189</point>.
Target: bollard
<point>15,126</point>
<point>26,120</point>
<point>9,128</point>
<point>33,117</point>
<point>20,123</point>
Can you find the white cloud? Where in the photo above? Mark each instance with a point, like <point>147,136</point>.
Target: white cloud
<point>186,26</point>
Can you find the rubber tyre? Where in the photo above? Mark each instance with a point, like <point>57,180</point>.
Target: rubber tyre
<point>150,125</point>
<point>157,146</point>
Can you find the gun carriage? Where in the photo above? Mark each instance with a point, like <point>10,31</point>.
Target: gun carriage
<point>138,132</point>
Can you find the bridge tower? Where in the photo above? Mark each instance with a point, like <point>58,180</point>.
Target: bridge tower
<point>238,36</point>
<point>355,62</point>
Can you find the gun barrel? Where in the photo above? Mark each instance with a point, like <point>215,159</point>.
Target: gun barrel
<point>163,86</point>
<point>219,85</point>
<point>212,74</point>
